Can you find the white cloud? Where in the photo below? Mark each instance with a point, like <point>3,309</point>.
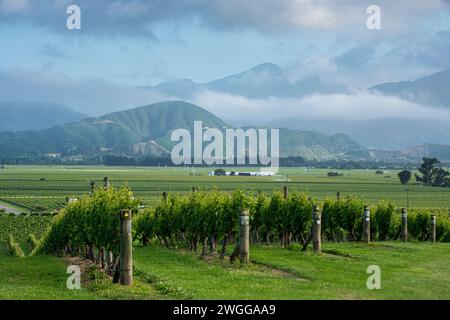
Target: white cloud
<point>127,9</point>
<point>91,96</point>
<point>135,16</point>
<point>347,107</point>
<point>13,6</point>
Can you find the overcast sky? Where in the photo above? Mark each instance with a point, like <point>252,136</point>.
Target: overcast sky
<point>126,44</point>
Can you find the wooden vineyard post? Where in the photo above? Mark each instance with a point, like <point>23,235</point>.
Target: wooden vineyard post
<point>366,224</point>
<point>106,183</point>
<point>404,225</point>
<point>244,242</point>
<point>102,258</point>
<point>109,262</point>
<point>126,249</point>
<point>433,228</point>
<point>92,187</point>
<point>316,230</point>
<point>165,196</point>
<point>286,192</point>
<point>285,237</point>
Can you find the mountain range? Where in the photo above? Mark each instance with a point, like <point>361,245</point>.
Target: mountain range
<point>17,116</point>
<point>271,80</point>
<point>27,128</point>
<point>263,81</point>
<point>433,90</point>
<point>389,132</point>
<point>146,131</point>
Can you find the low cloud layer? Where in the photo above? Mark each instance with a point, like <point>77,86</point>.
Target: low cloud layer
<point>90,96</point>
<point>371,119</point>
<point>361,106</point>
<point>95,96</point>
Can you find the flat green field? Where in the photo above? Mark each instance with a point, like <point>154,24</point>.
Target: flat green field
<point>408,271</point>
<point>42,188</point>
<point>44,278</point>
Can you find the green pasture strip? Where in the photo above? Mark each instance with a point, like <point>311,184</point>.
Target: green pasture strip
<point>44,277</point>
<point>35,278</point>
<point>216,280</point>
<point>408,271</point>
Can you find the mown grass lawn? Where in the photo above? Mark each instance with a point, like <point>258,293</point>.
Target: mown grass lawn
<point>40,277</point>
<point>44,278</point>
<point>408,271</point>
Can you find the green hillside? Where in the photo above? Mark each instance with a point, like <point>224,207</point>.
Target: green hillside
<point>316,145</point>
<point>117,131</point>
<point>145,131</point>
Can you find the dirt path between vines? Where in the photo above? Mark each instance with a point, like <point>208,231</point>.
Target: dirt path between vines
<point>10,209</point>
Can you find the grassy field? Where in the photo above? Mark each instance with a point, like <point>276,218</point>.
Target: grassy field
<point>44,277</point>
<point>40,188</point>
<point>408,271</point>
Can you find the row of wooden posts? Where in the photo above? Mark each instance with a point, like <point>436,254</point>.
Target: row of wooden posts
<point>404,232</point>
<point>126,252</point>
<point>316,227</point>
<point>316,216</point>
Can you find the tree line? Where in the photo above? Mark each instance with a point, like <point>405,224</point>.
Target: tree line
<point>430,174</point>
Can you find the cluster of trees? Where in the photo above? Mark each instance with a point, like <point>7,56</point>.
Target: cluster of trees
<point>117,160</point>
<point>44,160</point>
<point>123,160</point>
<point>165,160</point>
<point>335,174</point>
<point>220,172</point>
<point>431,174</point>
<point>404,176</point>
<point>340,164</point>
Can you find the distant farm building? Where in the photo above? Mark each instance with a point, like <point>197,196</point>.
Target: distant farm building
<point>241,174</point>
